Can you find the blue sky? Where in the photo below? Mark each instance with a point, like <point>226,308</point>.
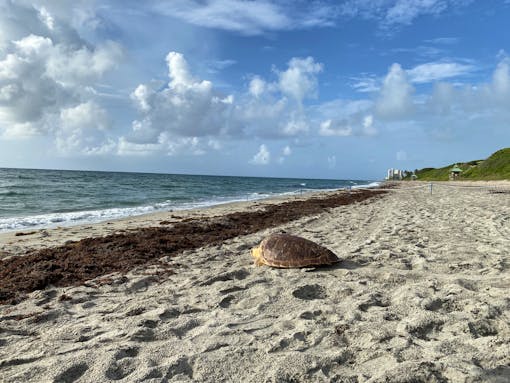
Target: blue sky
<point>324,89</point>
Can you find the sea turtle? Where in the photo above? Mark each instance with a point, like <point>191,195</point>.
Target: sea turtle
<point>286,251</point>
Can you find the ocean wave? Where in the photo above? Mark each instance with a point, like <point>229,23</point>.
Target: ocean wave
<point>365,186</point>
<point>94,216</point>
<point>70,218</point>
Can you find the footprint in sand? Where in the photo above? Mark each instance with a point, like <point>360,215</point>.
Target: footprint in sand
<point>119,369</point>
<point>180,367</point>
<point>310,292</point>
<point>129,352</point>
<point>230,276</point>
<point>72,374</point>
<point>482,328</point>
<point>226,302</point>
<point>309,315</point>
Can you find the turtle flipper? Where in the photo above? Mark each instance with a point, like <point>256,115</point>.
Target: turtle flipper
<point>256,253</point>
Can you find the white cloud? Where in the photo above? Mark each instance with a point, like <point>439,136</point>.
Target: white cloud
<point>262,157</point>
<point>39,78</point>
<point>435,71</point>
<point>286,152</point>
<point>356,125</point>
<point>19,131</point>
<point>491,98</point>
<point>47,18</point>
<point>186,117</point>
<point>368,84</point>
<point>166,145</point>
<point>501,79</point>
<point>443,40</point>
<point>257,86</point>
<point>141,96</point>
<point>395,98</point>
<point>335,128</point>
<point>338,109</point>
<point>343,118</point>
<point>300,80</point>
<point>47,73</point>
<point>249,17</point>
<point>441,98</point>
<point>83,66</point>
<point>128,148</point>
<point>392,13</point>
<point>83,128</point>
<point>215,66</point>
<point>405,11</point>
<point>368,128</point>
<point>295,126</point>
<point>276,109</point>
<point>186,107</point>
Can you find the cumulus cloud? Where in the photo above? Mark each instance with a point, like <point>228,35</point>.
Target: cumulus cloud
<point>191,107</point>
<point>429,72</point>
<point>343,118</point>
<point>166,145</point>
<point>185,107</point>
<point>257,86</point>
<point>83,128</point>
<point>368,128</point>
<point>356,125</point>
<point>276,108</point>
<point>492,97</point>
<point>46,74</point>
<point>335,128</point>
<point>300,80</point>
<point>295,125</point>
<point>395,98</point>
<point>262,157</point>
<point>501,79</point>
<point>286,152</point>
<point>441,98</point>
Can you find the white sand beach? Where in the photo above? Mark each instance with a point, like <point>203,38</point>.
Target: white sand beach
<point>421,295</point>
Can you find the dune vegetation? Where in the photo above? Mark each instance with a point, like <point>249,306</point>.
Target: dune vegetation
<point>496,167</point>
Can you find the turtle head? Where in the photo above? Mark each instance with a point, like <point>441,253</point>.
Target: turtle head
<point>256,253</point>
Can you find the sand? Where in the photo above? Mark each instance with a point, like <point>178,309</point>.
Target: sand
<point>421,295</point>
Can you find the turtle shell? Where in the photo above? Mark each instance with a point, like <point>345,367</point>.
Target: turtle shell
<point>284,250</point>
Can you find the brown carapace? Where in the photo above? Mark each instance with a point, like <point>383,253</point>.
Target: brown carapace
<point>287,251</point>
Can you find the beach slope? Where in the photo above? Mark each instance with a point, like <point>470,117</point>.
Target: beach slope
<point>421,295</point>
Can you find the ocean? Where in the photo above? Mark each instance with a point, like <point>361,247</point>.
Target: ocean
<point>31,198</point>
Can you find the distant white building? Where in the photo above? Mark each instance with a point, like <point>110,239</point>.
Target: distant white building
<point>395,174</point>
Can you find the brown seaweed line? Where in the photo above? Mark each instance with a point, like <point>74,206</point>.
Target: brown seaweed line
<point>77,262</point>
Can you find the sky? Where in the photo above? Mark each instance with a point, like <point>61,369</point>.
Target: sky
<point>283,88</point>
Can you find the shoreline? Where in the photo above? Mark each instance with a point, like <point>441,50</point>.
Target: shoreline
<point>19,241</point>
<point>75,262</point>
<point>27,210</point>
<point>420,294</point>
